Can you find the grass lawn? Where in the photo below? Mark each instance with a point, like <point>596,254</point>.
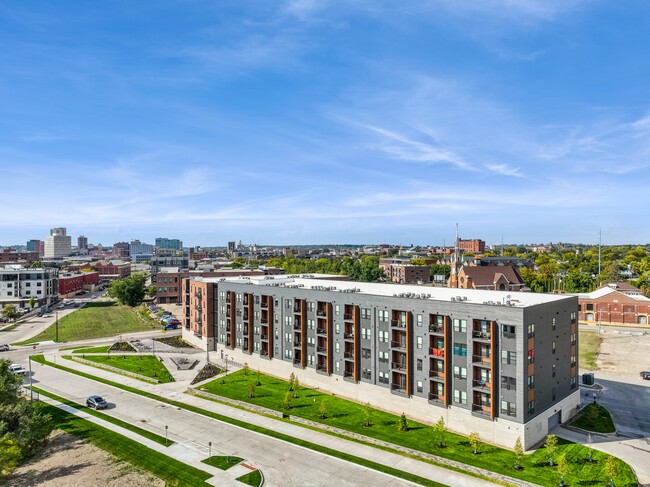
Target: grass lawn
<point>224,463</point>
<point>10,327</point>
<point>174,472</point>
<point>146,365</point>
<point>589,342</point>
<point>254,478</point>
<point>103,349</point>
<point>596,418</point>
<point>82,407</point>
<point>349,416</point>
<point>251,427</point>
<point>96,320</point>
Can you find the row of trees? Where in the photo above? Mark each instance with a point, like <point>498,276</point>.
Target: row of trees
<point>24,426</point>
<point>131,290</point>
<point>365,268</point>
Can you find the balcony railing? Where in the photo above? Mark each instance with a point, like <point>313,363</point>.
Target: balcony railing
<point>481,359</point>
<point>321,367</point>
<point>264,353</point>
<point>436,329</point>
<point>321,313</point>
<point>398,388</point>
<point>296,360</point>
<point>437,398</point>
<point>321,331</point>
<point>481,335</point>
<point>264,306</point>
<point>348,336</point>
<point>398,366</point>
<point>296,326</point>
<point>297,344</point>
<point>383,360</point>
<point>264,337</point>
<point>398,324</point>
<point>436,373</point>
<point>438,352</point>
<point>399,344</point>
<point>347,316</point>
<point>482,409</point>
<point>348,354</point>
<point>321,349</point>
<point>348,374</point>
<point>482,384</point>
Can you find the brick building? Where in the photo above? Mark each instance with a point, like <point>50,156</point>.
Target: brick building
<point>489,277</point>
<point>476,246</point>
<point>403,272</point>
<point>614,303</point>
<point>10,256</point>
<point>71,283</point>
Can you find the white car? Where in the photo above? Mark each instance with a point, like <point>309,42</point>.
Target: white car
<point>17,369</point>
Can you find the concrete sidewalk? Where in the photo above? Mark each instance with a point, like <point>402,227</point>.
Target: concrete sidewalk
<point>175,391</point>
<point>190,456</point>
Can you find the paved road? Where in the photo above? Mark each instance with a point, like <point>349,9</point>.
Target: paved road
<point>283,463</point>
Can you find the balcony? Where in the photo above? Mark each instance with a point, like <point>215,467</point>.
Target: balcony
<point>264,337</point>
<point>321,368</point>
<point>348,355</point>
<point>383,360</point>
<point>348,316</point>
<point>482,384</point>
<point>264,305</point>
<point>297,344</point>
<point>228,328</point>
<point>297,361</point>
<point>321,331</point>
<point>483,360</point>
<point>438,352</point>
<point>246,330</point>
<point>398,324</point>
<point>439,374</point>
<point>296,326</point>
<point>348,336</point>
<point>400,345</point>
<point>438,329</point>
<point>321,313</point>
<point>436,398</point>
<point>321,349</point>
<point>264,353</point>
<point>481,335</point>
<point>398,388</point>
<point>482,409</point>
<point>400,366</point>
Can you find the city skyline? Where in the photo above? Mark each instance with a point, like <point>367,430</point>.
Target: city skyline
<point>308,121</point>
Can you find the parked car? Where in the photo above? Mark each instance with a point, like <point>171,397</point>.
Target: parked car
<point>17,369</point>
<point>96,402</point>
<point>168,318</point>
<point>645,375</point>
<point>4,347</point>
<point>172,325</point>
<point>61,306</point>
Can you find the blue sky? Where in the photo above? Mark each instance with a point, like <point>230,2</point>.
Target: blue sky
<point>321,121</point>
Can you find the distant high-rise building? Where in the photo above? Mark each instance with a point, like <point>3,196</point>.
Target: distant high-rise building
<point>475,246</point>
<point>36,246</point>
<point>121,249</point>
<point>82,242</point>
<point>231,247</point>
<point>140,252</point>
<point>57,244</point>
<point>169,243</point>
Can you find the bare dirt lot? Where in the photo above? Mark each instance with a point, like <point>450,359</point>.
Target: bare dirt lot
<point>69,462</point>
<point>624,352</point>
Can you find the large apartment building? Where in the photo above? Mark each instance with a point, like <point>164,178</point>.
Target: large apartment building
<point>18,285</point>
<point>483,360</point>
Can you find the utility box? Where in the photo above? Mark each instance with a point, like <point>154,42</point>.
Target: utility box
<point>588,379</point>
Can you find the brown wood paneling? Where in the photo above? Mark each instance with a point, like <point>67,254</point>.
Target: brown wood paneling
<point>493,358</point>
<point>409,353</point>
<point>356,321</point>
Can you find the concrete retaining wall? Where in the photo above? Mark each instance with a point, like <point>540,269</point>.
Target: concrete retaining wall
<point>114,369</point>
<point>234,402</point>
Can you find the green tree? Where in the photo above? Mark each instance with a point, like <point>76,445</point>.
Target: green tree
<point>292,380</point>
<point>129,291</point>
<point>519,453</point>
<point>611,469</point>
<point>403,425</point>
<point>251,390</point>
<point>439,432</point>
<point>151,291</point>
<point>287,400</point>
<point>323,408</point>
<point>32,302</point>
<point>563,468</point>
<point>551,448</point>
<point>37,264</point>
<point>10,312</point>
<point>296,387</point>
<point>259,377</point>
<point>245,368</point>
<point>474,439</point>
<point>367,414</point>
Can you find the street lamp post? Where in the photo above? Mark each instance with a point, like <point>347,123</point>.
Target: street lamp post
<point>31,391</point>
<point>209,449</point>
<point>56,318</point>
<point>166,428</point>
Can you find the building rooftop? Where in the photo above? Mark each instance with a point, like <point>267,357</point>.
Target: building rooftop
<point>320,282</point>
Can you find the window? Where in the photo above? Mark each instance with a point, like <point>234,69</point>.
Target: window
<point>418,320</point>
<point>508,357</point>
<point>337,328</point>
<point>460,397</point>
<point>574,382</point>
<point>365,313</point>
<point>531,330</point>
<point>311,324</point>
<point>419,386</point>
<point>288,337</point>
<point>460,372</point>
<point>573,360</point>
<point>365,353</point>
<point>508,383</point>
<point>573,338</point>
<point>508,408</point>
<point>553,346</point>
<point>337,347</point>
<point>366,374</point>
<point>531,382</point>
<point>460,349</point>
<point>337,366</point>
<point>553,324</point>
<point>590,307</point>
<point>419,342</point>
<point>288,303</point>
<point>460,325</point>
<point>419,364</point>
<point>287,320</point>
<point>382,315</point>
<point>383,377</point>
<point>311,341</point>
<point>383,336</point>
<point>256,346</point>
<point>311,359</point>
<point>531,356</point>
<point>337,309</point>
<point>239,297</point>
<point>531,407</point>
<point>310,306</point>
<point>383,356</point>
<point>508,331</point>
<point>366,333</point>
<point>553,370</point>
